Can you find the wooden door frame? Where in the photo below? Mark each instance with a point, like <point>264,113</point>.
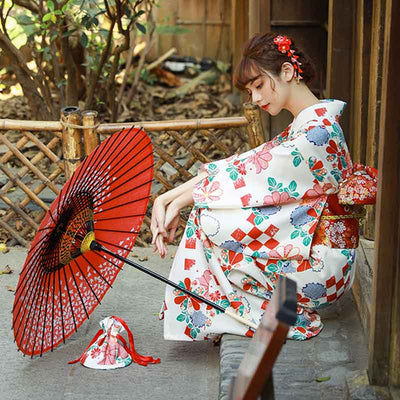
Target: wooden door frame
<point>384,340</point>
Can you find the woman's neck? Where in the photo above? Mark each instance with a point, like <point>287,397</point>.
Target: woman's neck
<point>300,98</point>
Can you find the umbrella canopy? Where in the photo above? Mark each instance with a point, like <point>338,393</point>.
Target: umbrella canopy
<point>62,282</point>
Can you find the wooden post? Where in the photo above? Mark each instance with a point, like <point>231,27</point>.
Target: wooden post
<point>362,57</point>
<point>254,129</point>
<point>90,135</point>
<point>254,17</point>
<point>259,16</point>
<point>374,102</point>
<point>71,139</point>
<point>240,28</point>
<point>384,340</point>
<point>339,71</point>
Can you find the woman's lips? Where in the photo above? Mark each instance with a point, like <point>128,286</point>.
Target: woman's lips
<point>265,107</point>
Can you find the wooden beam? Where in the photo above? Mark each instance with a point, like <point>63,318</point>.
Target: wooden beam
<point>254,17</point>
<point>265,13</point>
<point>374,102</point>
<point>240,28</point>
<point>362,55</point>
<point>339,58</point>
<point>384,346</point>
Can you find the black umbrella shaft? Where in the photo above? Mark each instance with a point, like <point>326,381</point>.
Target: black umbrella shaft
<point>97,246</point>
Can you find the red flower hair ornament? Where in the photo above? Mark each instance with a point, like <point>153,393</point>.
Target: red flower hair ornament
<point>283,44</point>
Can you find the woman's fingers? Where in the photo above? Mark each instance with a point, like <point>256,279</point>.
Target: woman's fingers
<point>158,219</point>
<point>162,250</point>
<point>171,235</point>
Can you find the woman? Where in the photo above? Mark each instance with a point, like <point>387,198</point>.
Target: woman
<point>265,213</point>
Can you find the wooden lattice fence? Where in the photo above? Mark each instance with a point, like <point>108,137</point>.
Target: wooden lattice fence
<point>36,158</point>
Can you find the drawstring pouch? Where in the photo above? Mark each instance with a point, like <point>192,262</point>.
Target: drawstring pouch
<point>109,350</point>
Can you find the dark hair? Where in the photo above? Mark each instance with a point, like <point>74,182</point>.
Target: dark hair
<point>261,54</point>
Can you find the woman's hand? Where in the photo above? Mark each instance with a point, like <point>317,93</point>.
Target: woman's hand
<point>172,220</point>
<point>165,221</point>
<point>163,226</point>
<point>157,226</point>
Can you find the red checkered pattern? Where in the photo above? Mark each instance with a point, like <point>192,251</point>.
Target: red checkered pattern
<point>335,287</point>
<point>255,238</point>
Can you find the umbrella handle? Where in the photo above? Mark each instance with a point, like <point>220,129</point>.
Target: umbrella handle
<point>241,319</point>
<point>96,246</point>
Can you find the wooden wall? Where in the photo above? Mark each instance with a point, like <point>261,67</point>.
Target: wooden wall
<point>306,21</point>
<point>208,23</point>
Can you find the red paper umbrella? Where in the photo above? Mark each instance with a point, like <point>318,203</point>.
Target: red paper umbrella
<point>83,241</point>
<point>62,282</point>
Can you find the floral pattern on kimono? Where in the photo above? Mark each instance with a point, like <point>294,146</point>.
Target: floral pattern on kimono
<point>254,219</point>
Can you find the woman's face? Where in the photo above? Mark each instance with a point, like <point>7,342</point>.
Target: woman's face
<point>268,92</point>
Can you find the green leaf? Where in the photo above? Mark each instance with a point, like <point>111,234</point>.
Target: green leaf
<point>24,19</point>
<point>233,175</point>
<point>306,241</point>
<point>141,27</point>
<point>258,220</point>
<point>272,268</point>
<point>225,303</point>
<point>53,18</point>
<point>47,17</point>
<point>271,182</point>
<point>296,161</point>
<point>189,232</point>
<point>68,33</point>
<point>58,12</point>
<point>292,186</point>
<point>294,234</point>
<point>138,14</point>
<point>193,333</point>
<point>180,317</point>
<point>84,40</point>
<point>50,4</point>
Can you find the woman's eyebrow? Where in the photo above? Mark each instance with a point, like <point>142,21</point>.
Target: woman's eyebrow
<point>251,81</point>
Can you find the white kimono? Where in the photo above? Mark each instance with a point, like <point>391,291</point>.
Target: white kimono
<point>256,216</point>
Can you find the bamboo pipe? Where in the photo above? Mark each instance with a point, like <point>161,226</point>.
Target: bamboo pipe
<point>91,138</point>
<point>71,137</point>
<point>254,128</point>
<point>56,126</point>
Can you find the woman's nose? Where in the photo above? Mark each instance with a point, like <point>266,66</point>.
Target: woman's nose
<point>256,97</point>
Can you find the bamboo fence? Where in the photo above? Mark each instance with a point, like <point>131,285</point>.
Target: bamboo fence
<point>37,158</point>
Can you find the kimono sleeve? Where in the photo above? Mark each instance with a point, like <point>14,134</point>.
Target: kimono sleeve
<point>272,174</point>
<point>323,148</point>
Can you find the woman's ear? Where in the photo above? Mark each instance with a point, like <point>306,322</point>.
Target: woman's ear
<point>287,72</point>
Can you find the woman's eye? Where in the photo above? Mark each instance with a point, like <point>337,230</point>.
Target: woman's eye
<point>259,86</point>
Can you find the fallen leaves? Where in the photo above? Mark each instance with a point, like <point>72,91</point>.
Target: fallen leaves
<point>7,270</point>
<point>323,379</point>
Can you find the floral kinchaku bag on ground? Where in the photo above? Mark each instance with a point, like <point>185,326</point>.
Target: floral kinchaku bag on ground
<point>109,350</point>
